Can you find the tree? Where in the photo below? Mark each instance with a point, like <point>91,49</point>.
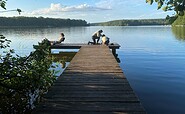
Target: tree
<point>168,5</point>
<point>24,80</point>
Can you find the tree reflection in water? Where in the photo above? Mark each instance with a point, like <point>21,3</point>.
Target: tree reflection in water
<point>63,57</point>
<point>179,32</point>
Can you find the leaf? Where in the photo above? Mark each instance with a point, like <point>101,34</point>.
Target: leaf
<point>165,8</point>
<point>3,4</point>
<point>180,8</point>
<point>19,11</point>
<point>149,1</point>
<point>160,4</point>
<point>12,51</point>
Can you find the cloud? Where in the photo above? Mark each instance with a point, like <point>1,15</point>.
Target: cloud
<point>117,3</point>
<point>56,8</point>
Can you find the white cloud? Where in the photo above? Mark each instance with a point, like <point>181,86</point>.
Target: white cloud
<point>118,3</point>
<point>56,8</point>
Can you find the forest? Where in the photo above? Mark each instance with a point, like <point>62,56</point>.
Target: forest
<point>132,22</point>
<point>58,22</point>
<point>39,22</point>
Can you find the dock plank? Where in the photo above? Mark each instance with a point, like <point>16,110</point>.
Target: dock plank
<point>78,46</point>
<point>92,83</point>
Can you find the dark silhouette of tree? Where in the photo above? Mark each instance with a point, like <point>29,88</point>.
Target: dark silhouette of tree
<point>167,5</point>
<point>40,22</point>
<point>130,22</point>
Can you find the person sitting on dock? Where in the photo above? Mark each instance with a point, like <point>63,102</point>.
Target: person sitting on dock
<point>105,39</point>
<point>95,36</point>
<point>60,39</point>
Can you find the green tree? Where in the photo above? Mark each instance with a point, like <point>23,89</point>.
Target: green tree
<point>167,5</point>
<point>40,22</point>
<point>24,80</point>
<point>138,22</point>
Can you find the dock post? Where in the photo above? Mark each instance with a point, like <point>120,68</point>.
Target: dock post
<point>114,52</point>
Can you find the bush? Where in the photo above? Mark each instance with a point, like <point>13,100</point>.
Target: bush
<point>24,80</point>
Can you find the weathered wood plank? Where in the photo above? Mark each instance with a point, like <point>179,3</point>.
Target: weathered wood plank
<point>124,99</point>
<point>91,106</point>
<point>91,95</point>
<point>107,75</point>
<point>78,46</point>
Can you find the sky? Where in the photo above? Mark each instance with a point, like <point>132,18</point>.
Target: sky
<point>90,10</point>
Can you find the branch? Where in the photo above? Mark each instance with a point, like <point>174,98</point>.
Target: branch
<point>18,10</point>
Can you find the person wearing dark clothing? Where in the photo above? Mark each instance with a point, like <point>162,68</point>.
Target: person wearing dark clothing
<point>97,36</point>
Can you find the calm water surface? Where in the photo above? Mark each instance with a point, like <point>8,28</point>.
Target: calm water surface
<point>152,58</point>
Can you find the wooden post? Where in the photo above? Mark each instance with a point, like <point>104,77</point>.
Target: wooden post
<point>114,52</point>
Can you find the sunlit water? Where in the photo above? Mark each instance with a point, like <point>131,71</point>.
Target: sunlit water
<point>152,58</point>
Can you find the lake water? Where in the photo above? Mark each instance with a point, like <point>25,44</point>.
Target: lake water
<point>152,58</point>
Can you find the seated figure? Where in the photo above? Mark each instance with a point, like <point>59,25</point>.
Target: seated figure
<point>61,39</point>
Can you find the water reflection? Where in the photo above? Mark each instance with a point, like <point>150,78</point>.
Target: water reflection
<point>63,57</point>
<point>179,32</point>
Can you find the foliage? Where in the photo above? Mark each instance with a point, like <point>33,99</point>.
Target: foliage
<point>23,80</point>
<point>180,21</point>
<point>3,3</point>
<point>2,41</point>
<point>133,22</point>
<point>167,5</point>
<point>40,22</point>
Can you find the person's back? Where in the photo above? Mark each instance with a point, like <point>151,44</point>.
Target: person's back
<point>105,39</point>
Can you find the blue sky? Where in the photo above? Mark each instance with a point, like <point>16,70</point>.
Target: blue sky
<point>89,10</point>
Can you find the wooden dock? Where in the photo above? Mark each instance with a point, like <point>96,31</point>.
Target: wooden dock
<point>112,46</point>
<point>93,83</point>
<point>79,45</point>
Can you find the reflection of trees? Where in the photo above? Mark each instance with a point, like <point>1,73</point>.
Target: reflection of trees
<point>63,57</point>
<point>179,32</point>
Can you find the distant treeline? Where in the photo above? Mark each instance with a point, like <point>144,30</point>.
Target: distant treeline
<point>39,22</point>
<point>131,22</point>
